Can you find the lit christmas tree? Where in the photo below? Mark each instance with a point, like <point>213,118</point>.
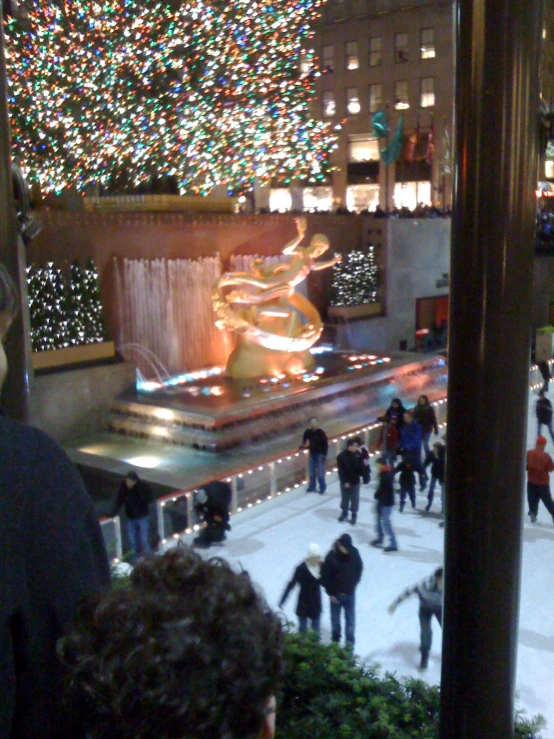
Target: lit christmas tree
<point>355,279</point>
<point>87,320</point>
<point>207,92</point>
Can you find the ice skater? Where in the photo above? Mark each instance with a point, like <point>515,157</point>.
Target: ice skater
<point>384,495</point>
<point>389,439</point>
<point>437,459</point>
<point>539,467</point>
<point>429,592</point>
<point>307,576</point>
<point>212,506</point>
<point>425,415</point>
<point>411,438</point>
<point>340,574</point>
<point>406,480</point>
<point>351,468</point>
<point>315,440</point>
<point>543,409</point>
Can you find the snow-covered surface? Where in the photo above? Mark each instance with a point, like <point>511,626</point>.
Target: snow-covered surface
<point>271,540</point>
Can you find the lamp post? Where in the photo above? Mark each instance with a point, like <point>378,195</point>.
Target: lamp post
<point>16,391</point>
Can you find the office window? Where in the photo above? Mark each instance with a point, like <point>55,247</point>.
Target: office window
<point>353,106</point>
<point>329,106</point>
<point>427,92</point>
<point>328,58</point>
<point>375,97</point>
<point>352,60</point>
<point>375,49</point>
<point>401,101</point>
<point>428,43</point>
<point>400,47</point>
<point>363,147</point>
<point>305,62</point>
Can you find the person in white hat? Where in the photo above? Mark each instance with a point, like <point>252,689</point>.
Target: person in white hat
<point>307,576</point>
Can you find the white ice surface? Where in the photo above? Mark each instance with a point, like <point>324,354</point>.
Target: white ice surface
<point>271,540</point>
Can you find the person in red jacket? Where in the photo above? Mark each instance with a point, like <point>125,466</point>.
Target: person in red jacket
<point>389,440</point>
<point>539,467</point>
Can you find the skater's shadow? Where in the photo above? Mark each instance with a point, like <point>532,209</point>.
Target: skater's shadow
<point>421,554</point>
<point>241,547</point>
<point>534,640</point>
<point>536,533</point>
<point>407,652</point>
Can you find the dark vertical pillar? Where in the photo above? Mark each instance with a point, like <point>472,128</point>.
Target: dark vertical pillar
<point>15,394</point>
<point>492,255</point>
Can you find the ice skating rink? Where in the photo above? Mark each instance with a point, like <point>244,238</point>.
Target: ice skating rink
<point>271,540</point>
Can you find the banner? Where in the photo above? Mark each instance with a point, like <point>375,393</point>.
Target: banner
<point>380,125</point>
<point>391,152</point>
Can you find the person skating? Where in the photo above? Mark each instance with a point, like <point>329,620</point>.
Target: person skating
<point>429,592</point>
<point>389,439</point>
<point>340,574</point>
<point>544,369</point>
<point>364,452</point>
<point>395,410</point>
<point>406,480</point>
<point>307,576</point>
<point>539,467</point>
<point>350,469</point>
<point>425,415</point>
<point>315,440</point>
<point>135,496</point>
<point>212,505</point>
<point>437,459</point>
<point>384,495</point>
<point>411,437</point>
<point>543,410</point>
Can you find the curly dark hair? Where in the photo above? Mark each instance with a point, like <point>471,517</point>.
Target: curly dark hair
<point>190,651</point>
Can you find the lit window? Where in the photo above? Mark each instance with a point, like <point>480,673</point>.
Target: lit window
<point>352,60</point>
<point>400,47</point>
<point>305,62</point>
<point>353,106</point>
<point>375,49</point>
<point>401,101</point>
<point>428,43</point>
<point>549,169</point>
<point>375,97</point>
<point>362,147</point>
<point>329,106</point>
<point>427,92</point>
<point>328,58</point>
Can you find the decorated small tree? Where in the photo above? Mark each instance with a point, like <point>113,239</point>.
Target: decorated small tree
<point>355,279</point>
<point>86,324</point>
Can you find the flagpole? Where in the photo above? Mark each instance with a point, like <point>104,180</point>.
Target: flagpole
<point>417,168</point>
<point>386,165</point>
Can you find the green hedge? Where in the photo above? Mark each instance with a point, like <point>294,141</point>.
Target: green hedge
<point>327,693</point>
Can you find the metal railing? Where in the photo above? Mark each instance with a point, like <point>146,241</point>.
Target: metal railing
<point>251,486</point>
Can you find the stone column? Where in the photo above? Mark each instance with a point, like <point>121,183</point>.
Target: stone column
<point>489,349</point>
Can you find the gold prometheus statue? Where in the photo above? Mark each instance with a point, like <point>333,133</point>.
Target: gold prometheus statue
<point>275,324</point>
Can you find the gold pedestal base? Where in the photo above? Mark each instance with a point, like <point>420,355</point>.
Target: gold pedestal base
<point>249,361</point>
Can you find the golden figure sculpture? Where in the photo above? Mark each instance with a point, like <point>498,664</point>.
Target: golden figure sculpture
<point>276,325</point>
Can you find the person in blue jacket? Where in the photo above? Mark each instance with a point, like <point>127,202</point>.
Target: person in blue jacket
<point>52,554</point>
<point>411,436</point>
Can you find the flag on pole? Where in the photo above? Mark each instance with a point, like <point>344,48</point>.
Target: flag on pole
<point>411,146</point>
<point>391,152</point>
<point>446,167</point>
<point>380,124</point>
<point>431,144</point>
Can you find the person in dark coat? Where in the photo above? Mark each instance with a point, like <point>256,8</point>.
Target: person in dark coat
<point>350,468</point>
<point>544,369</point>
<point>340,574</point>
<point>543,410</point>
<point>437,460</point>
<point>406,480</point>
<point>384,495</point>
<point>315,440</point>
<point>52,555</point>
<point>212,506</point>
<point>364,453</point>
<point>411,437</point>
<point>395,410</point>
<point>389,440</point>
<point>425,415</point>
<point>135,496</point>
<point>307,575</point>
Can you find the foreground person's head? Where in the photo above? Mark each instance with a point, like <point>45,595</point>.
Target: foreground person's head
<point>190,651</point>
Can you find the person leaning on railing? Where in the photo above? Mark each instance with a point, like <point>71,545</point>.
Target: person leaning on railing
<point>51,554</point>
<point>191,649</point>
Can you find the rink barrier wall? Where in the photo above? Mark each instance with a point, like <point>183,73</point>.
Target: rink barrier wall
<point>253,485</point>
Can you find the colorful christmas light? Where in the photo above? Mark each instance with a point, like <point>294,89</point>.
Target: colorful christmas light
<point>114,92</point>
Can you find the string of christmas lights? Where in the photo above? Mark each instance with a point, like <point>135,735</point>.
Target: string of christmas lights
<point>355,279</point>
<point>64,312</point>
<point>207,92</point>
